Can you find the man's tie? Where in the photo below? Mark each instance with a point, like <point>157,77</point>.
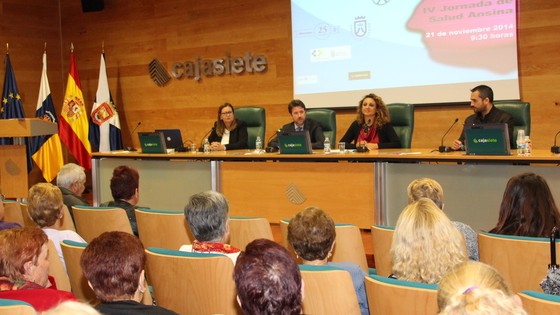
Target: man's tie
<point>299,128</point>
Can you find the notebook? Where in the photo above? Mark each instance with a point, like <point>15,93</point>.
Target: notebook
<point>487,139</point>
<point>152,142</point>
<point>172,137</point>
<point>296,142</point>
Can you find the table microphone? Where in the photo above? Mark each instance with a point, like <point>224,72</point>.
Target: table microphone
<point>443,148</point>
<point>555,148</point>
<point>133,130</point>
<point>270,149</point>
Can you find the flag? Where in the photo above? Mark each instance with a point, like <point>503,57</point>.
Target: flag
<point>104,127</point>
<point>47,150</point>
<point>12,106</point>
<point>73,124</point>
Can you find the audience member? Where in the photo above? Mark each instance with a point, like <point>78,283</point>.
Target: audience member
<point>3,224</point>
<point>426,244</point>
<point>372,127</point>
<point>124,188</point>
<point>431,189</point>
<point>476,288</point>
<point>24,269</point>
<point>113,264</point>
<point>527,208</point>
<point>46,209</point>
<point>207,217</point>
<point>228,133</point>
<point>72,308</point>
<point>300,122</point>
<point>71,179</point>
<point>268,280</point>
<point>312,235</point>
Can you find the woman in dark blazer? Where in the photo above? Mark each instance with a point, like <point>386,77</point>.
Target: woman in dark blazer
<point>228,133</point>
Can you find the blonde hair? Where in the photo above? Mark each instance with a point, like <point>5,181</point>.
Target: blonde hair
<point>426,244</point>
<point>425,188</point>
<point>482,301</point>
<point>72,308</point>
<point>44,204</point>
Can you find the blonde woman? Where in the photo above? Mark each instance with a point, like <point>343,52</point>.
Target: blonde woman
<point>426,244</point>
<point>429,188</point>
<point>476,288</point>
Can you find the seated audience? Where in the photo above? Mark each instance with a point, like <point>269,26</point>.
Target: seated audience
<point>431,189</point>
<point>312,235</point>
<point>268,280</point>
<point>71,179</point>
<point>46,208</point>
<point>372,127</point>
<point>3,224</point>
<point>527,208</point>
<point>478,289</point>
<point>124,189</point>
<point>426,244</point>
<point>24,269</point>
<point>229,133</point>
<point>113,264</point>
<point>72,308</point>
<point>207,217</point>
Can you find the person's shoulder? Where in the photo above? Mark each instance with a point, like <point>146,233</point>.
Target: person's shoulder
<point>348,266</point>
<point>241,123</point>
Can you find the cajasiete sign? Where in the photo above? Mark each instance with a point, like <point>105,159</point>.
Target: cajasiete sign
<point>200,67</point>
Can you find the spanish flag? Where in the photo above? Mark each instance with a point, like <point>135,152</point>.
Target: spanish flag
<point>73,127</point>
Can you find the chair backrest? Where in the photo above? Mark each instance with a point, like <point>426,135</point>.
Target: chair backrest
<point>16,307</point>
<point>391,296</point>
<point>402,119</point>
<point>12,212</point>
<point>328,290</point>
<point>382,237</point>
<point>521,112</point>
<point>349,246</point>
<point>244,230</point>
<point>522,261</point>
<point>56,269</point>
<point>92,221</point>
<point>72,251</point>
<point>255,118</point>
<point>27,221</point>
<point>540,303</point>
<point>67,223</point>
<point>166,229</point>
<point>192,283</point>
<point>327,119</point>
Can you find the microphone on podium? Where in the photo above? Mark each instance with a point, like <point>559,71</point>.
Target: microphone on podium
<point>131,134</point>
<point>443,148</point>
<point>555,148</point>
<point>270,149</point>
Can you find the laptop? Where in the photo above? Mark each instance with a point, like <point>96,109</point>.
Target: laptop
<point>152,142</point>
<point>487,139</point>
<point>295,142</point>
<point>172,137</point>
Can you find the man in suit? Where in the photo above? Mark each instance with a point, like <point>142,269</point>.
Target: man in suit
<point>296,108</point>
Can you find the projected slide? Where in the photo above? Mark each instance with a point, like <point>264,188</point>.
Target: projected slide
<point>409,51</point>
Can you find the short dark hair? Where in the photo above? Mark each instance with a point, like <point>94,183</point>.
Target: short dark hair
<point>484,91</point>
<point>207,216</point>
<point>267,279</point>
<point>112,263</point>
<point>124,182</point>
<point>295,103</point>
<point>312,233</point>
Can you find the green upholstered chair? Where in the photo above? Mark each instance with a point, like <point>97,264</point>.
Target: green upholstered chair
<point>402,119</point>
<point>540,303</point>
<point>16,307</point>
<point>255,118</point>
<point>521,112</point>
<point>327,119</point>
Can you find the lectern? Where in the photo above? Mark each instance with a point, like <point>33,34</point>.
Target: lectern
<point>13,158</point>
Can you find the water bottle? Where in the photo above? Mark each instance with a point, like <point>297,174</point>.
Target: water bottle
<point>520,142</point>
<point>258,145</point>
<point>206,146</point>
<point>528,146</point>
<point>327,145</point>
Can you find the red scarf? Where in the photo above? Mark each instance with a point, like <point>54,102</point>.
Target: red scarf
<point>370,137</point>
<point>207,247</point>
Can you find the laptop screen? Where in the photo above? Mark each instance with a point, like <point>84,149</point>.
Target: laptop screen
<point>487,139</point>
<point>152,142</point>
<point>297,142</point>
<point>172,137</point>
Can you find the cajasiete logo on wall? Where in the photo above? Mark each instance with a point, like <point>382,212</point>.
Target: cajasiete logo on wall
<point>200,67</point>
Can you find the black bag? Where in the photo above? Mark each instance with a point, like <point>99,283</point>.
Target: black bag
<point>551,284</point>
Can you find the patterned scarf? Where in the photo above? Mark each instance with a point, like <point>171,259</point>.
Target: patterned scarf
<point>207,247</point>
<point>7,285</point>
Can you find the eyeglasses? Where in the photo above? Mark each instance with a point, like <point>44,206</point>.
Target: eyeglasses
<point>227,113</point>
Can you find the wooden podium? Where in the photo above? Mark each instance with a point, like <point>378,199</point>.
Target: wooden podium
<point>13,158</point>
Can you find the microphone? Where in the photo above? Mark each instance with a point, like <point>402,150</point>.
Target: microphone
<point>270,149</point>
<point>366,125</point>
<point>183,148</point>
<point>443,148</point>
<point>201,148</point>
<point>132,133</point>
<point>555,148</point>
<point>363,148</point>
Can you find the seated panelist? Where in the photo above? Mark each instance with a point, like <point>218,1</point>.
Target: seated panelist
<point>372,128</point>
<point>228,132</point>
